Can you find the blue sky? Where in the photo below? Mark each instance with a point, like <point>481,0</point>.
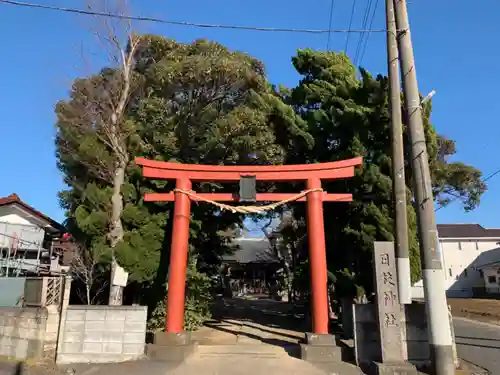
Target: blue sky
<point>454,45</point>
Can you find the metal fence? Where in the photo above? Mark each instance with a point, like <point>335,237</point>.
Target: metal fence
<point>21,236</point>
<point>31,291</point>
<point>21,249</point>
<point>12,291</point>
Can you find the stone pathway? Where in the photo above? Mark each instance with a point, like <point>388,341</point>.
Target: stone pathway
<point>246,365</point>
<point>253,336</point>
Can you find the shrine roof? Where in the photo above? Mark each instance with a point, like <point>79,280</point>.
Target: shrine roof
<point>252,250</point>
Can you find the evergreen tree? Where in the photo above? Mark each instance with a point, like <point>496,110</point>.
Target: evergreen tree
<point>191,103</point>
<point>348,116</point>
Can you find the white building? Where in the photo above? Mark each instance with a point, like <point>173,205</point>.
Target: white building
<point>26,239</point>
<point>469,254</point>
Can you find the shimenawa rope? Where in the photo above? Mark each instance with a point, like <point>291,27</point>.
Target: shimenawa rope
<point>247,209</point>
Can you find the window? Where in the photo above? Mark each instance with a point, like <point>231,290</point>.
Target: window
<point>465,272</point>
<point>477,245</point>
<point>481,273</point>
<point>460,246</point>
<point>449,271</point>
<point>492,279</point>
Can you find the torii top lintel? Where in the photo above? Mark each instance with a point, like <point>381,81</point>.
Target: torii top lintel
<point>293,172</point>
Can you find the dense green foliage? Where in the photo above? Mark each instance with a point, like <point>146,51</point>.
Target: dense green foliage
<point>192,103</point>
<point>200,103</point>
<point>198,302</point>
<point>348,117</point>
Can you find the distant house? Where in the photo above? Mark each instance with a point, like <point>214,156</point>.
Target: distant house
<point>465,249</point>
<point>30,242</point>
<point>491,275</point>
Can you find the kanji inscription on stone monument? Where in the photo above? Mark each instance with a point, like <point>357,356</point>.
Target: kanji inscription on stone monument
<point>388,307</point>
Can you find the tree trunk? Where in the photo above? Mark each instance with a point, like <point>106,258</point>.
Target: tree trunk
<point>117,138</point>
<point>87,289</point>
<point>116,230</point>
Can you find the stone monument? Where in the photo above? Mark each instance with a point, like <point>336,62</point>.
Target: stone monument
<point>389,313</point>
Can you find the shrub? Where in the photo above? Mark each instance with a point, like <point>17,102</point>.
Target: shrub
<point>197,306</point>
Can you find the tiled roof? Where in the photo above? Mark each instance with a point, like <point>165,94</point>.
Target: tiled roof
<point>252,250</point>
<point>14,199</point>
<point>466,231</point>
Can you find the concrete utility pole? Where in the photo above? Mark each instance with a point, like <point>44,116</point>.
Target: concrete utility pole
<point>398,166</point>
<point>435,297</point>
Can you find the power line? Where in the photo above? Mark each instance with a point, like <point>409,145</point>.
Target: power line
<point>332,5</point>
<point>185,23</point>
<point>490,176</point>
<point>363,25</point>
<point>367,34</point>
<point>350,24</point>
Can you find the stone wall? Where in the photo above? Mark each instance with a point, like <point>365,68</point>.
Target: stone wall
<point>367,341</point>
<point>102,334</point>
<point>32,332</point>
<point>23,332</point>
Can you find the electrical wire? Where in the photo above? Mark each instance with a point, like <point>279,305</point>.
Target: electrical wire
<point>350,25</point>
<point>363,25</point>
<point>332,5</point>
<point>490,176</point>
<point>367,34</point>
<point>185,23</point>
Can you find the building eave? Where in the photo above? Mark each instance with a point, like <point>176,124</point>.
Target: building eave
<point>46,222</point>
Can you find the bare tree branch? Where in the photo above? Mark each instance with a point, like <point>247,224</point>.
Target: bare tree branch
<point>84,267</point>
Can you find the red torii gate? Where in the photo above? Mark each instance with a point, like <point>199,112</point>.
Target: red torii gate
<point>182,195</point>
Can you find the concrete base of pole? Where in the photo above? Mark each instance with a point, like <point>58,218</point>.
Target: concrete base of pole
<point>320,348</point>
<point>404,280</point>
<point>438,323</point>
<point>171,347</point>
<point>442,360</point>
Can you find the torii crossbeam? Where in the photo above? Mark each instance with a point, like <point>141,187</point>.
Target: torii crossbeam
<point>185,174</point>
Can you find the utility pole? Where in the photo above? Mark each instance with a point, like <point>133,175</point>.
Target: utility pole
<point>439,330</point>
<point>398,166</point>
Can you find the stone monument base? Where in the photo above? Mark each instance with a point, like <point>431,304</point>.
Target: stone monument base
<point>320,348</point>
<point>394,368</point>
<point>175,347</point>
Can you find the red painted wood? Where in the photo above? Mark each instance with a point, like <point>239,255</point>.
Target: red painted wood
<point>228,197</point>
<point>329,174</point>
<point>317,258</point>
<point>249,169</point>
<point>178,259</point>
<point>185,173</point>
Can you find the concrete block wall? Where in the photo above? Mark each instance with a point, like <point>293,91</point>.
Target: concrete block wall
<point>51,331</point>
<point>367,340</point>
<point>102,334</point>
<point>22,332</point>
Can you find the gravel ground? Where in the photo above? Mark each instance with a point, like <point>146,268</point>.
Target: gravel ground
<point>485,310</point>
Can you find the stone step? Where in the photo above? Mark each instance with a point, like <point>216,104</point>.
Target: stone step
<point>255,350</point>
<point>311,353</point>
<point>174,353</point>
